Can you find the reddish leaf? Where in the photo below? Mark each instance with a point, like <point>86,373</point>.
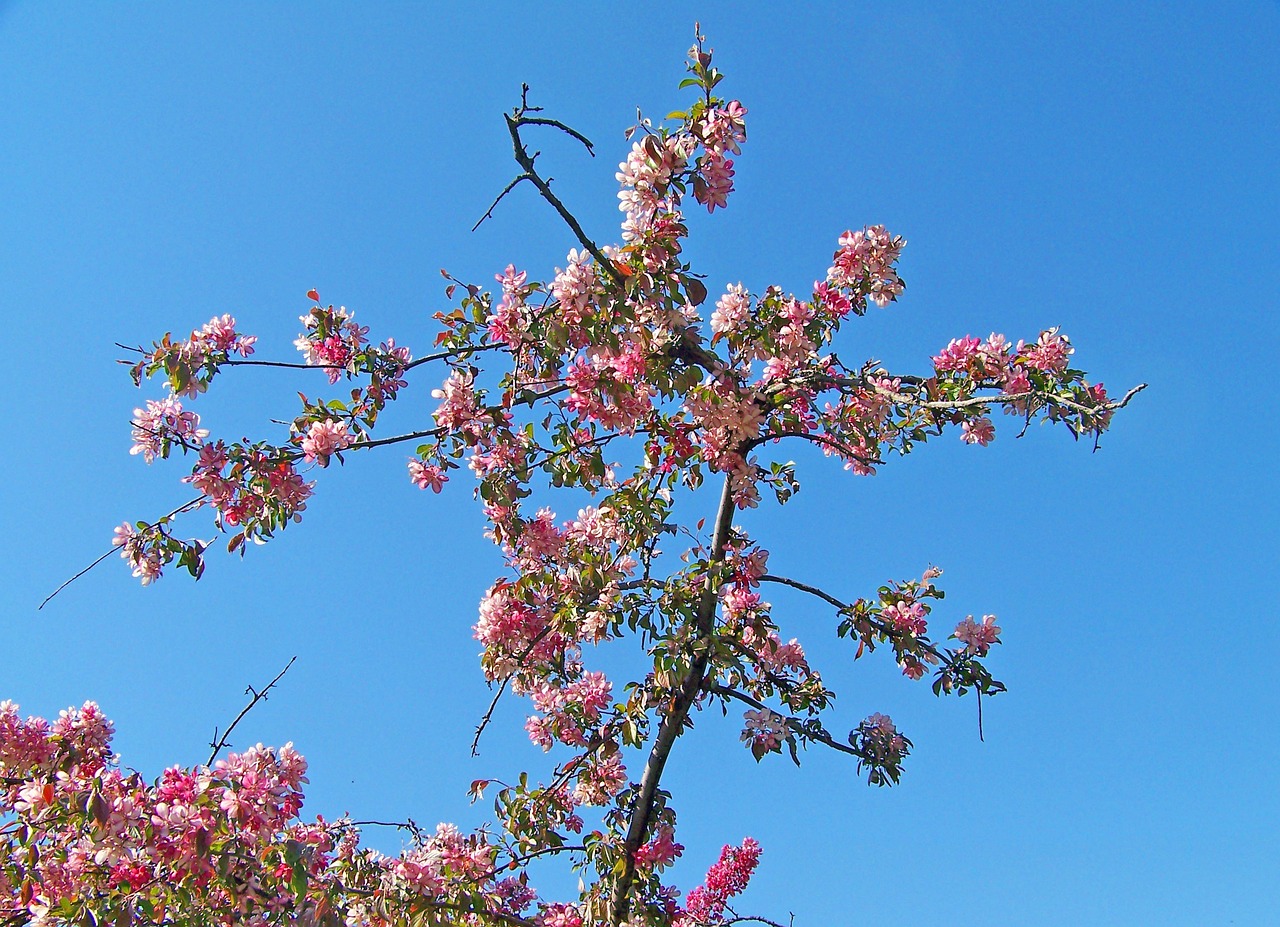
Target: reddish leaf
<point>697,292</point>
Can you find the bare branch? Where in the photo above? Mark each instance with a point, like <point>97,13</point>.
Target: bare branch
<point>525,160</point>
<point>488,714</point>
<point>488,213</point>
<point>556,123</point>
<point>805,587</point>
<point>819,439</point>
<point>219,742</point>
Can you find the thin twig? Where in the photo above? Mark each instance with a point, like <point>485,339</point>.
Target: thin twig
<point>805,587</point>
<point>178,511</point>
<point>980,737</point>
<point>488,715</point>
<point>294,365</point>
<point>488,213</point>
<point>258,696</point>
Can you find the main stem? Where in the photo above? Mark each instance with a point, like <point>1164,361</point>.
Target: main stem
<point>674,720</point>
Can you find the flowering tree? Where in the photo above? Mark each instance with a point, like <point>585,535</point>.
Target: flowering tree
<point>605,380</point>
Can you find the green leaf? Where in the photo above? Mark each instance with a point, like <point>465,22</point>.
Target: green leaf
<point>299,881</point>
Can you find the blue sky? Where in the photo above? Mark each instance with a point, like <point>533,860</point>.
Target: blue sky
<point>1109,168</point>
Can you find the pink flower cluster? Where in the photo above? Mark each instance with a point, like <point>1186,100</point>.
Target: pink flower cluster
<point>727,878</point>
<point>459,407</point>
<point>506,322</point>
<point>190,365</point>
<point>144,551</point>
<point>447,857</point>
<point>765,729</point>
<point>568,709</point>
<point>324,439</point>
<point>864,265</point>
<point>732,311</point>
<point>1030,376</point>
<point>331,339</point>
<point>163,423</point>
<point>881,747</point>
<point>219,336</point>
<point>258,488</point>
<point>427,475</point>
<point>218,846</point>
<point>511,626</point>
<point>978,637</point>
<point>605,388</point>
<point>574,289</point>
<point>722,130</point>
<point>661,850</point>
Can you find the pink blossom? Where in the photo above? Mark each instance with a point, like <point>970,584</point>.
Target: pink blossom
<point>958,354</point>
<point>661,851</point>
<point>459,406</point>
<point>733,309</point>
<point>560,915</point>
<point>727,878</point>
<point>978,638</point>
<point>573,288</point>
<point>865,263</point>
<point>715,181</point>
<point>161,423</point>
<point>724,128</point>
<point>332,339</point>
<point>907,616</point>
<point>425,475</point>
<point>1050,353</point>
<point>766,728</point>
<point>978,430</point>
<point>601,779</point>
<point>324,439</point>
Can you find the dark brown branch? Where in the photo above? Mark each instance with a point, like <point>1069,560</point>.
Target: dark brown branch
<point>819,439</point>
<point>514,123</point>
<point>557,124</point>
<point>396,439</point>
<point>819,736</point>
<point>220,742</point>
<point>805,587</point>
<point>735,918</point>
<point>295,365</point>
<point>673,721</point>
<point>488,714</point>
<point>519,860</point>
<point>488,213</point>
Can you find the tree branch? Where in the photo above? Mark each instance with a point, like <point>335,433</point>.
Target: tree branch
<point>178,511</point>
<point>488,213</point>
<point>674,720</point>
<point>805,587</point>
<point>515,122</point>
<point>818,735</point>
<point>219,742</point>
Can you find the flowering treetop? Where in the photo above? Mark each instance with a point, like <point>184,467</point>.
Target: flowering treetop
<point>621,378</point>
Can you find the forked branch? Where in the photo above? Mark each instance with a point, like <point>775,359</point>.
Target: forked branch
<point>258,695</point>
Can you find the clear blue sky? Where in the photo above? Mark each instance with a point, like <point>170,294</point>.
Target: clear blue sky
<point>1109,167</point>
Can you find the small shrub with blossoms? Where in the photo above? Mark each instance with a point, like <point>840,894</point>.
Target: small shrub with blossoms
<point>618,375</point>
